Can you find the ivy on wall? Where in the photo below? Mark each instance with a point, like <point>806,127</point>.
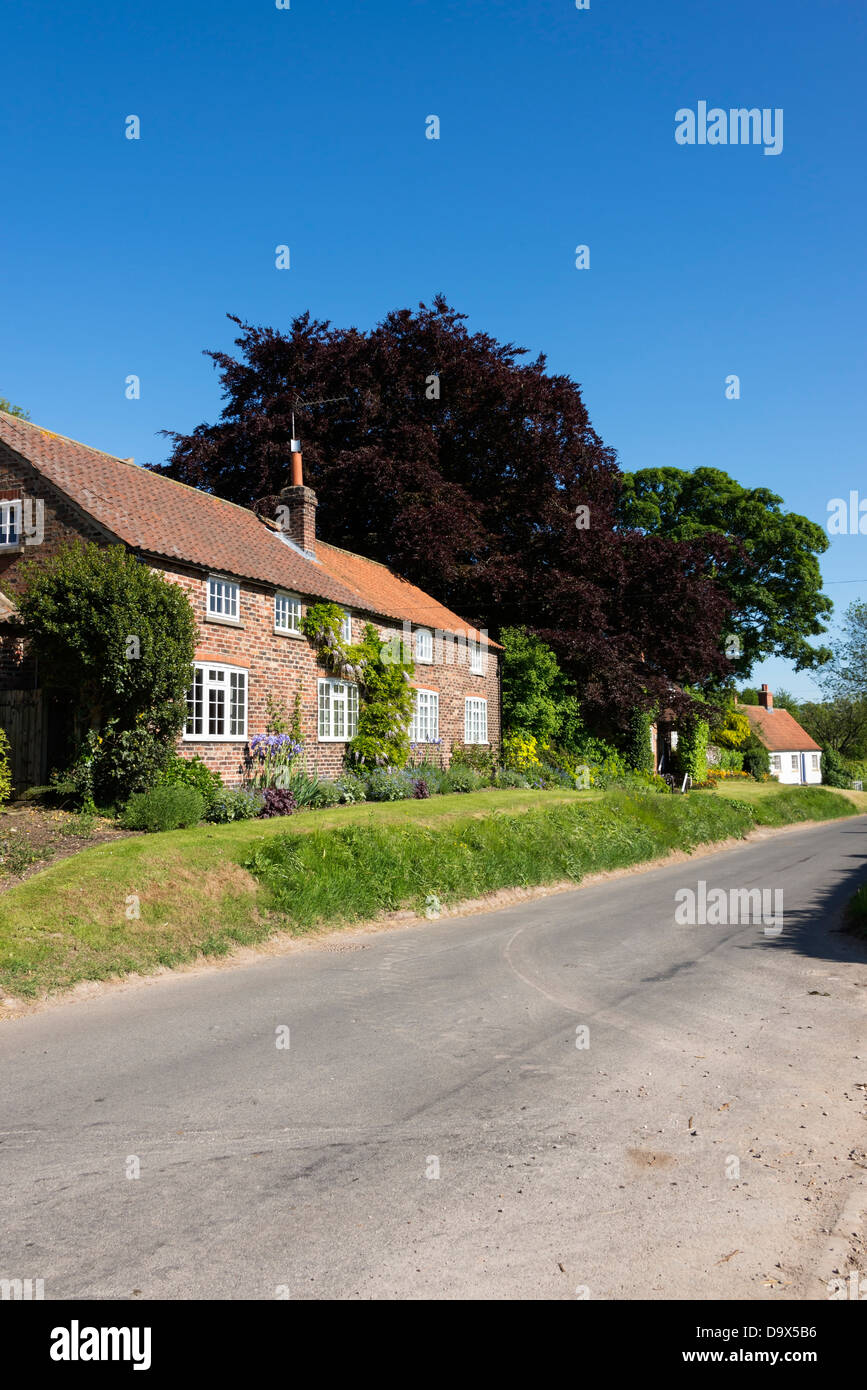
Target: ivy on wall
<point>383,679</point>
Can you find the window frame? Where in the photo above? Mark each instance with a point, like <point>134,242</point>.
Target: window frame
<point>346,626</point>
<point>473,700</point>
<point>228,584</point>
<point>10,523</point>
<point>350,710</point>
<point>229,679</point>
<point>433,697</point>
<point>284,596</point>
<point>796,762</point>
<point>478,660</point>
<point>423,657</point>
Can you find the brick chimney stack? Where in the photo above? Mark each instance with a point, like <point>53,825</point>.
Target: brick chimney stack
<point>766,698</point>
<point>296,513</point>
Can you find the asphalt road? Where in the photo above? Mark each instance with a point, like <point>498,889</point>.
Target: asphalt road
<point>698,1147</point>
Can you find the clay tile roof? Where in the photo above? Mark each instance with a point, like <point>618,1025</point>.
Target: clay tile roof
<point>166,519</point>
<point>382,591</point>
<point>778,730</point>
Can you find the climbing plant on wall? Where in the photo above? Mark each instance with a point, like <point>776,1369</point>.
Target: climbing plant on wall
<point>383,679</point>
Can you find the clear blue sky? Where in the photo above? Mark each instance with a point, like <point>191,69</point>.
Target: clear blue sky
<point>306,127</point>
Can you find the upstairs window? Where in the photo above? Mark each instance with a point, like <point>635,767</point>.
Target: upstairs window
<point>424,645</point>
<point>10,523</point>
<point>287,613</point>
<point>223,599</point>
<point>346,627</point>
<point>478,653</point>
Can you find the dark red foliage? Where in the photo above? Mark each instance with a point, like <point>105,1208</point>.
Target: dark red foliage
<point>471,496</point>
<point>278,802</point>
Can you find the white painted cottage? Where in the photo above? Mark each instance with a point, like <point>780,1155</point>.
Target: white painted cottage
<point>795,757</point>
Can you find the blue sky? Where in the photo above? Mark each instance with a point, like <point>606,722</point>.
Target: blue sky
<point>306,127</point>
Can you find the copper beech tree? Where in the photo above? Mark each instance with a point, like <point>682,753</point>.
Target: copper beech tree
<point>476,474</point>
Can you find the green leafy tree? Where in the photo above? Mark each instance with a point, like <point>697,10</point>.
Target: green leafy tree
<point>769,571</point>
<point>120,640</point>
<point>840,724</point>
<point>15,410</point>
<point>538,697</point>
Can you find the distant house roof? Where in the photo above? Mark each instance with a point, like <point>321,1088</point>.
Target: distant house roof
<point>778,730</point>
<point>160,517</point>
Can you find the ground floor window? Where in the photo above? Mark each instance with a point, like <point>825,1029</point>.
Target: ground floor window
<point>475,721</point>
<point>815,762</point>
<point>795,761</point>
<point>217,703</point>
<point>425,726</point>
<point>776,763</point>
<point>338,711</point>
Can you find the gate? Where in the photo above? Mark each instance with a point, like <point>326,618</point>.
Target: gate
<point>22,717</point>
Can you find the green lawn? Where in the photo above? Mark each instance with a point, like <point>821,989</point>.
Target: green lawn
<point>151,900</point>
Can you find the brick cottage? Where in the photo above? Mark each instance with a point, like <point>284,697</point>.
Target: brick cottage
<point>249,581</point>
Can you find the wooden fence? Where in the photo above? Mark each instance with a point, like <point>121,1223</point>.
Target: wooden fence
<point>23,719</point>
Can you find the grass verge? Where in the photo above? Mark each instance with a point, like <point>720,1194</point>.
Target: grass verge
<point>139,903</point>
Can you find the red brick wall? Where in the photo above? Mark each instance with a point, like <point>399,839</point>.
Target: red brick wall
<point>277,664</point>
<point>280,665</point>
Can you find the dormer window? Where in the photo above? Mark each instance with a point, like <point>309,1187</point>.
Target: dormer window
<point>223,599</point>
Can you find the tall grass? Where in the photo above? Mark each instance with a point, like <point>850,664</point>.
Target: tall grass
<point>350,874</point>
<point>800,804</point>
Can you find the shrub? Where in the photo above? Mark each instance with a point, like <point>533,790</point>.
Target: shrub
<point>5,770</point>
<point>835,771</point>
<point>328,794</point>
<point>387,784</point>
<point>691,755</point>
<point>351,788</point>
<point>420,788</point>
<point>637,748</point>
<point>234,803</point>
<point>278,801</point>
<point>507,777</point>
<point>163,808</point>
<point>462,779</point>
<point>521,753</point>
<point>118,640</point>
<point>193,772</point>
<point>757,761</point>
<point>476,756</point>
